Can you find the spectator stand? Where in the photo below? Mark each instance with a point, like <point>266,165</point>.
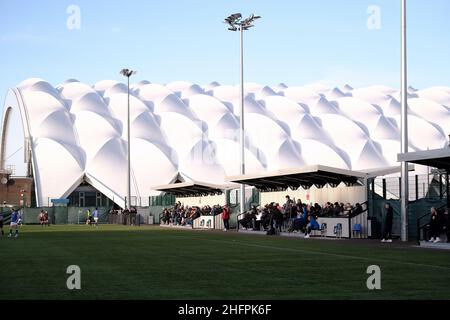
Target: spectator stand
<point>344,183</point>
<point>439,159</point>
<point>199,194</point>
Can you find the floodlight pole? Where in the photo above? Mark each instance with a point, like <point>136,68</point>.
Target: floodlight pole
<point>235,22</point>
<point>241,120</point>
<point>128,202</point>
<point>128,73</point>
<point>404,196</point>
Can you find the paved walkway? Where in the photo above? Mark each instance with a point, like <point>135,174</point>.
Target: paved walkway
<point>438,245</point>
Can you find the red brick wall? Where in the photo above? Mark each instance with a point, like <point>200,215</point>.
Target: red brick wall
<point>12,191</point>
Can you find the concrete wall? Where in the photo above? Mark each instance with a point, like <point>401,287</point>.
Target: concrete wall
<point>203,201</point>
<point>340,194</point>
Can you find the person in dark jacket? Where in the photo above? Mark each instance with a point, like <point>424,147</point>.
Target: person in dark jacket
<point>389,216</point>
<point>435,225</point>
<point>357,210</point>
<point>287,206</point>
<point>337,209</point>
<point>446,224</point>
<point>277,217</point>
<point>248,219</point>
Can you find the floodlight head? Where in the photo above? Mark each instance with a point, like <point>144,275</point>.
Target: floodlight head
<point>233,19</point>
<point>127,72</point>
<point>236,16</point>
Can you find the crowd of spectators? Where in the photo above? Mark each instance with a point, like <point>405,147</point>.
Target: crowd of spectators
<point>184,215</point>
<point>294,216</point>
<point>291,216</point>
<point>123,216</point>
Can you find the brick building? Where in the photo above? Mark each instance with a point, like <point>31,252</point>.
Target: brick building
<point>16,190</point>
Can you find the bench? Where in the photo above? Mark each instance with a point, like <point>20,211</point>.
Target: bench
<point>321,232</point>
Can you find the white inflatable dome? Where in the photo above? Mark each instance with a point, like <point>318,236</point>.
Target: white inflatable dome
<point>77,132</point>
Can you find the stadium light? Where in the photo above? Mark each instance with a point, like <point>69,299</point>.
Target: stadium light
<point>404,196</point>
<point>128,73</point>
<point>235,23</point>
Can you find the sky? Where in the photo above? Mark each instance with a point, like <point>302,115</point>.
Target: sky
<point>296,42</point>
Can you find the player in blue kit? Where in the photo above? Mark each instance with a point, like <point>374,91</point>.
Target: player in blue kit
<point>14,223</point>
<point>95,216</point>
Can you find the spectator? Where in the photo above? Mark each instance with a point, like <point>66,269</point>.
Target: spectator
<point>389,216</point>
<point>318,209</point>
<point>327,210</point>
<point>42,218</point>
<point>226,218</point>
<point>165,216</point>
<point>293,213</point>
<point>277,216</point>
<point>336,209</point>
<point>191,215</point>
<point>254,214</point>
<point>46,218</point>
<point>133,215</point>
<point>357,210</point>
<point>299,206</point>
<point>312,225</point>
<point>287,206</point>
<point>126,216</point>
<point>217,209</point>
<point>258,219</point>
<point>265,217</point>
<point>435,226</point>
<point>446,224</point>
<point>248,219</point>
<point>300,222</point>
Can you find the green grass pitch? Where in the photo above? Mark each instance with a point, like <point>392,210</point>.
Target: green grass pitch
<point>119,262</point>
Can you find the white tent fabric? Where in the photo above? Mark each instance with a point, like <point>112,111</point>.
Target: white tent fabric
<point>223,129</point>
<point>78,132</point>
<point>186,134</point>
<point>59,162</point>
<point>439,95</point>
<point>307,130</point>
<point>431,111</point>
<point>271,136</point>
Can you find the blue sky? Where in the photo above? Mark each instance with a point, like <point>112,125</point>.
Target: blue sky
<point>296,42</point>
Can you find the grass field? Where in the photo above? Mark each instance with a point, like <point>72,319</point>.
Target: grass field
<point>119,262</point>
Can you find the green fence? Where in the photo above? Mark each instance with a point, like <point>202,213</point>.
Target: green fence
<point>63,215</point>
<point>166,200</point>
<point>78,215</point>
<point>6,213</point>
<point>415,210</point>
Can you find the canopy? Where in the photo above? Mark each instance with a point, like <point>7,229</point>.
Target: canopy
<point>438,158</point>
<point>305,177</point>
<point>192,189</point>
